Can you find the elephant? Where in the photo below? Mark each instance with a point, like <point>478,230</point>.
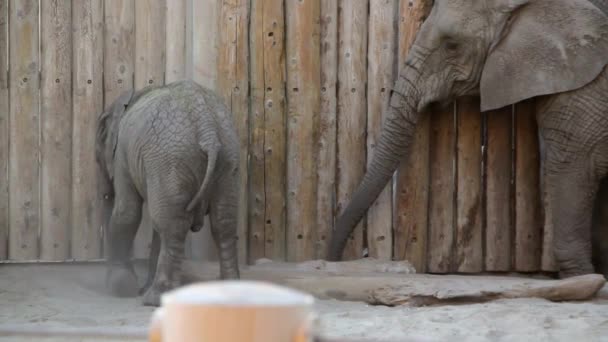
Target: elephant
<point>507,51</point>
<point>173,148</point>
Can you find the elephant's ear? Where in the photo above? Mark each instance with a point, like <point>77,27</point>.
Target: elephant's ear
<point>547,47</point>
<point>112,126</point>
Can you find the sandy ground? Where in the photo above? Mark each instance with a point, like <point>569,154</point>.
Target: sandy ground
<point>66,296</point>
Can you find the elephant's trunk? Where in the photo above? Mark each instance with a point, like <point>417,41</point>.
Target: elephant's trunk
<point>392,146</point>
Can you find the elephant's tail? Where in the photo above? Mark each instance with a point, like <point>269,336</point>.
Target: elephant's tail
<point>202,191</point>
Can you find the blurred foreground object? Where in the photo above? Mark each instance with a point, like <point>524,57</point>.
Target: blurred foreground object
<point>233,311</point>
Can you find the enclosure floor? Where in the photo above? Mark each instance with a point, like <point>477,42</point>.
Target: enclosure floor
<point>73,296</point>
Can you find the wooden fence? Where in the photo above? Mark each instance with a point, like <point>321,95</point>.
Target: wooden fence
<point>307,81</point>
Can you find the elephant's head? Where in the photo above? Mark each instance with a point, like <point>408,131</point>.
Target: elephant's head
<point>106,140</point>
<point>503,50</point>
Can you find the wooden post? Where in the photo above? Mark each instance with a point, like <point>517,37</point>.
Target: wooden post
<point>201,18</point>
<point>303,89</point>
<point>149,71</point>
<point>498,190</point>
<point>352,111</point>
<point>24,188</point>
<point>381,75</point>
<point>469,234</point>
<point>175,61</point>
<point>442,188</point>
<point>56,117</point>
<point>233,85</point>
<point>412,188</point>
<point>204,41</point>
<point>267,235</point>
<point>528,227</point>
<point>119,47</point>
<point>4,130</point>
<point>87,96</point>
<point>326,136</point>
<point>257,185</point>
<point>275,130</point>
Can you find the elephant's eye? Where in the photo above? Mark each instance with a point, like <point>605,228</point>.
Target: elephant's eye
<point>451,45</point>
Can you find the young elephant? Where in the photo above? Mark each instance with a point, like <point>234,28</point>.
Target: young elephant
<point>173,148</point>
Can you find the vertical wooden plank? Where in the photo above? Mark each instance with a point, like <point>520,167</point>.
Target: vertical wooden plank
<point>326,136</point>
<point>303,89</point>
<point>528,226</point>
<point>257,191</point>
<point>119,48</point>
<point>352,113</point>
<point>442,188</point>
<point>175,62</point>
<point>275,148</point>
<point>56,118</point>
<point>204,41</point>
<point>498,190</point>
<point>87,96</point>
<point>469,234</point>
<point>233,85</point>
<point>412,181</point>
<point>24,186</point>
<point>4,130</point>
<point>380,74</point>
<point>149,71</point>
<point>150,43</point>
<point>201,66</point>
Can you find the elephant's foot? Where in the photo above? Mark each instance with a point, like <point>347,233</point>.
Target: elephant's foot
<point>568,271</point>
<point>122,282</point>
<point>146,286</point>
<point>153,294</point>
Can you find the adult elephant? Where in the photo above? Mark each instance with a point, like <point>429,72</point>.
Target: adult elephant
<point>507,51</point>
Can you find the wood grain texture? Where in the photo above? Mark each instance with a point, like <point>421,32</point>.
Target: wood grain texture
<point>87,97</point>
<point>412,181</point>
<point>326,135</point>
<point>205,41</point>
<point>119,48</point>
<point>442,188</point>
<point>149,71</point>
<point>24,84</point>
<point>257,184</point>
<point>469,233</point>
<point>175,45</point>
<point>528,224</point>
<point>275,144</point>
<point>233,85</point>
<point>303,98</point>
<point>4,130</point>
<point>56,119</point>
<point>352,111</point>
<point>498,190</point>
<point>380,75</point>
<point>201,65</point>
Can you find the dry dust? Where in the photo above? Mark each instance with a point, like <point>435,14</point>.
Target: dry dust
<point>66,296</point>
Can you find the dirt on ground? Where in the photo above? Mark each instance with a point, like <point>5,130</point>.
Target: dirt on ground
<point>73,296</point>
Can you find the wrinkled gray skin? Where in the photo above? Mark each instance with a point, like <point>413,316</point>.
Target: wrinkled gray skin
<point>507,51</point>
<point>174,149</point>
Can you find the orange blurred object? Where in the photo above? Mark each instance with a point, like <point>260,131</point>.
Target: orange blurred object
<point>233,311</point>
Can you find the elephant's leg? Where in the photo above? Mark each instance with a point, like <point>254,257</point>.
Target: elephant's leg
<point>172,230</point>
<point>125,219</point>
<point>152,261</point>
<point>223,215</point>
<point>572,195</point>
